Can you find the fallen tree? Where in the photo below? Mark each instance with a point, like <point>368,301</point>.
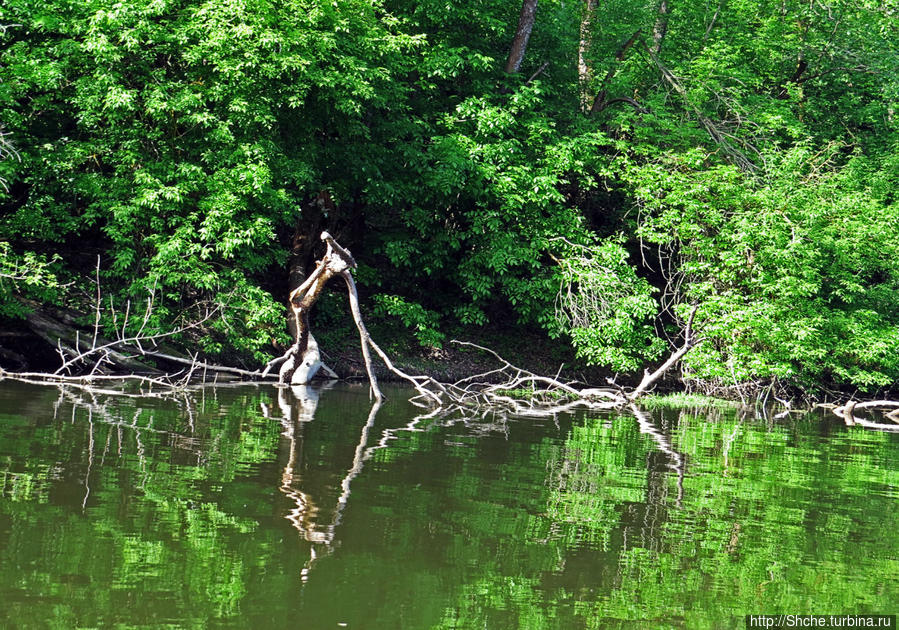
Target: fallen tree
<point>124,358</point>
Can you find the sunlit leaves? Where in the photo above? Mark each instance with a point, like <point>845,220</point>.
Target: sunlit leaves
<point>606,309</point>
<point>796,276</point>
<point>177,140</point>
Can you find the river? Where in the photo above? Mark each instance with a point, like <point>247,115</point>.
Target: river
<point>254,507</point>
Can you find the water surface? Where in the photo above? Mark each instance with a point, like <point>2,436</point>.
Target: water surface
<point>253,507</point>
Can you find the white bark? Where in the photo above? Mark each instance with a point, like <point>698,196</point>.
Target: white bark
<point>309,365</point>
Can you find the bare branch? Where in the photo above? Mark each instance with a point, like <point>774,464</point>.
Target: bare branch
<point>364,337</point>
<point>649,378</point>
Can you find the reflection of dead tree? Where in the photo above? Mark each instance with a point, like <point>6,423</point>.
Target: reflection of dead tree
<point>663,443</point>
<point>847,413</point>
<point>303,515</point>
<point>92,402</point>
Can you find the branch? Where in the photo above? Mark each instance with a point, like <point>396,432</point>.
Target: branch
<point>604,87</point>
<point>846,413</point>
<point>622,99</point>
<point>124,342</point>
<point>650,378</point>
<point>254,374</point>
<point>538,73</point>
<point>364,337</point>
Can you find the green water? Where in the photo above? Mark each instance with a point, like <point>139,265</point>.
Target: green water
<point>248,507</point>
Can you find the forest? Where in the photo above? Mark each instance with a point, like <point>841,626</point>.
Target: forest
<point>597,172</point>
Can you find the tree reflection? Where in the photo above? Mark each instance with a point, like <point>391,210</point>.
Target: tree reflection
<point>675,460</point>
<point>298,404</point>
<point>264,507</point>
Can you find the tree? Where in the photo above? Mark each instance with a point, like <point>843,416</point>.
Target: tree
<point>199,149</point>
<point>522,35</point>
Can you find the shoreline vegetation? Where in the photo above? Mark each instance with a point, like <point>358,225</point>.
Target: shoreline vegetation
<point>508,387</point>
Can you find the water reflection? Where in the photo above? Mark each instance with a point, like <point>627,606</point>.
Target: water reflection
<point>675,461</point>
<point>316,524</point>
<point>257,506</point>
<point>297,405</point>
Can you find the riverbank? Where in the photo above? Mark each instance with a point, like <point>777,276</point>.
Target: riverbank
<point>23,351</point>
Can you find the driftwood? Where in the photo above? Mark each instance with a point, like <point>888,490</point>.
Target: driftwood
<point>87,350</point>
<point>526,393</point>
<point>504,385</point>
<point>889,408</point>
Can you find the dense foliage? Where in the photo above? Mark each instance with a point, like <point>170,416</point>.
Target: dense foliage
<point>738,156</point>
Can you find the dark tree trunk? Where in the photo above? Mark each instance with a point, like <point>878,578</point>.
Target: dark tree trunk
<point>522,35</point>
<point>305,239</point>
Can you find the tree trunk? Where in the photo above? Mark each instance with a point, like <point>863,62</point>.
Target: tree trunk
<point>584,70</point>
<point>660,27</point>
<point>303,243</point>
<point>522,35</point>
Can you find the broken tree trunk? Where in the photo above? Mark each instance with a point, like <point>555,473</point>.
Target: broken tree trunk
<point>303,360</point>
